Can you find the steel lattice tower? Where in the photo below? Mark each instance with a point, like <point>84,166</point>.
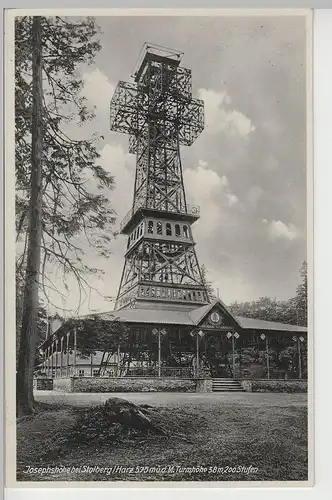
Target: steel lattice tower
<point>159,114</point>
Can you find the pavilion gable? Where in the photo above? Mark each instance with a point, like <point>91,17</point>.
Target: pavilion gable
<point>214,316</point>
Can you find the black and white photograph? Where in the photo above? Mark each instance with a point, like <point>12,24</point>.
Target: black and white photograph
<point>161,185</point>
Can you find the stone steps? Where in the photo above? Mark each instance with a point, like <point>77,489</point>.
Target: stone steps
<point>226,385</point>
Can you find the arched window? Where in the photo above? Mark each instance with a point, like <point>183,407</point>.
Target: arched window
<point>159,228</point>
<point>150,227</point>
<point>185,231</point>
<point>168,229</point>
<point>177,230</point>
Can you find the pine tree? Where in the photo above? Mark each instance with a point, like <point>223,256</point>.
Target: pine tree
<point>302,296</point>
<point>71,189</point>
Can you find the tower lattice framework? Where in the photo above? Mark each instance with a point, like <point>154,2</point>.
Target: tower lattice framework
<point>159,113</point>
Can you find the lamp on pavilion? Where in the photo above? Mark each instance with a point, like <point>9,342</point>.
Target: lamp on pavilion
<point>159,333</point>
<point>233,336</point>
<point>264,337</point>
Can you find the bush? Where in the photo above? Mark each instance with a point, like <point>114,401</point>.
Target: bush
<point>133,385</point>
<point>279,386</point>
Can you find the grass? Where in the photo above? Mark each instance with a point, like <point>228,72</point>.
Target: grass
<point>270,438</point>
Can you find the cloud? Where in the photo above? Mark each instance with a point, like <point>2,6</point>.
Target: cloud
<point>232,199</point>
<point>122,166</point>
<point>202,183</point>
<point>98,89</point>
<point>279,230</point>
<point>219,116</point>
<point>254,194</point>
<point>271,164</point>
<point>212,192</point>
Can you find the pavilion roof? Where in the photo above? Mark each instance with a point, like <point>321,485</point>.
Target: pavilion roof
<point>259,324</point>
<point>194,317</point>
<point>148,316</point>
<point>191,318</point>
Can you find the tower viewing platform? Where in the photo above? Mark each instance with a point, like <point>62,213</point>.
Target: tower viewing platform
<point>130,219</point>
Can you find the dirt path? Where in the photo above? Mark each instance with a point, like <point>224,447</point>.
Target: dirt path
<point>162,398</point>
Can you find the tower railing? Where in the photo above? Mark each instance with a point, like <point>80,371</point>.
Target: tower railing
<point>193,210</point>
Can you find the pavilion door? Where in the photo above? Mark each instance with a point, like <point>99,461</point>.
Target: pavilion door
<point>215,356</point>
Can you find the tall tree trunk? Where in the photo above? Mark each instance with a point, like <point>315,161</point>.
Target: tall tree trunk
<point>28,334</point>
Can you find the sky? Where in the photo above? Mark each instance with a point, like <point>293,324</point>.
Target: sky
<point>247,170</point>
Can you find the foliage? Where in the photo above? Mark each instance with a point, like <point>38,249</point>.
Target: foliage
<point>106,334</point>
<point>289,386</point>
<point>128,384</point>
<point>268,309</point>
<point>94,333</point>
<point>75,187</point>
<point>292,311</point>
<point>302,296</point>
<point>283,362</point>
<point>208,284</point>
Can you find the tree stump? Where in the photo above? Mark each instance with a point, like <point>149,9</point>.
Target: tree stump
<point>131,416</point>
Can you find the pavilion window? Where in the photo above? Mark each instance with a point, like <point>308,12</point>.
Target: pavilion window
<point>185,231</point>
<point>168,229</point>
<point>159,228</point>
<point>150,227</point>
<point>177,230</point>
<point>81,373</point>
